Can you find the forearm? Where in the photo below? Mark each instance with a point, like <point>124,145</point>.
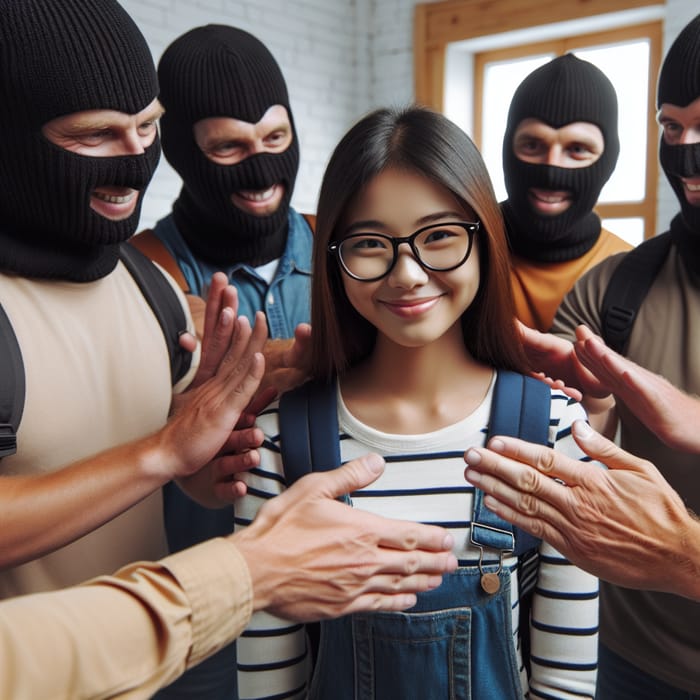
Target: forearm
<point>42,512</point>
<point>125,635</point>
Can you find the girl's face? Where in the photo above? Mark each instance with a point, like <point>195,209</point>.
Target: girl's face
<point>412,305</point>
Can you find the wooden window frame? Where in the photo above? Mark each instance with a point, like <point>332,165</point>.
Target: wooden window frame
<point>438,24</point>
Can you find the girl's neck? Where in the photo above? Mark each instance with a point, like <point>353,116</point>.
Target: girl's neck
<point>415,390</point>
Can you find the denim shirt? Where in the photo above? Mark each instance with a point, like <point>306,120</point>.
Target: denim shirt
<point>286,301</point>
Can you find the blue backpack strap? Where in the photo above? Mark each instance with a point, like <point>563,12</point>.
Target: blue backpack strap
<point>627,288</point>
<point>164,303</point>
<point>12,386</point>
<point>308,417</point>
<point>520,408</point>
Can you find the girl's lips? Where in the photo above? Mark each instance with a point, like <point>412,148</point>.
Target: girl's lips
<point>409,308</point>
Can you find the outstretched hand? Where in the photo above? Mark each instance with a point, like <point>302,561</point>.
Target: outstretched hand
<point>203,418</point>
<point>312,557</point>
<point>554,359</point>
<point>624,524</point>
<point>671,414</point>
<point>288,360</point>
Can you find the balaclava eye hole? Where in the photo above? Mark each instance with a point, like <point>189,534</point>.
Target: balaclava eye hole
<point>221,71</point>
<point>561,92</point>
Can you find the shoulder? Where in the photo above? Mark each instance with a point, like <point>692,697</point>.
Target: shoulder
<point>608,244</point>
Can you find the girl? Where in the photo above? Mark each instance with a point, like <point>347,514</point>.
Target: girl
<point>413,317</point>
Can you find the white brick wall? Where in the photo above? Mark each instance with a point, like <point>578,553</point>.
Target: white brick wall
<point>340,58</point>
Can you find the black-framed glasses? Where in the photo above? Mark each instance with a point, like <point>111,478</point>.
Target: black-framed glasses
<point>369,256</point>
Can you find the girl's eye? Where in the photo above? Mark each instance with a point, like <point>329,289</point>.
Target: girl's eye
<point>438,235</point>
<point>368,243</point>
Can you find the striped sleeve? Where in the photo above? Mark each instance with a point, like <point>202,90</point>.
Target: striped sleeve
<point>564,618</point>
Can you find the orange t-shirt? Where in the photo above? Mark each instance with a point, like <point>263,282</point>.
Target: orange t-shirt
<point>539,287</point>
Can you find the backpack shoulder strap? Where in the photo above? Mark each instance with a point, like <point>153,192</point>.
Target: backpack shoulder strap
<point>164,302</point>
<point>520,408</point>
<point>308,419</point>
<point>152,247</point>
<point>628,287</point>
<point>12,387</point>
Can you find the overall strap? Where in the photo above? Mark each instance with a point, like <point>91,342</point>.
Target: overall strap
<point>628,287</point>
<point>520,408</point>
<point>308,418</point>
<point>164,303</point>
<point>12,386</point>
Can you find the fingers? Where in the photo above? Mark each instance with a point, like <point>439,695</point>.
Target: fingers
<point>604,450</point>
<point>220,295</point>
<point>350,477</point>
<point>298,355</point>
<point>243,440</point>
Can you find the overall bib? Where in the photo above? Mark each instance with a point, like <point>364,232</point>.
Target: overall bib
<point>456,643</point>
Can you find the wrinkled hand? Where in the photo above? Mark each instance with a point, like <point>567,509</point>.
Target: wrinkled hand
<point>312,557</point>
<point>667,411</point>
<point>625,524</point>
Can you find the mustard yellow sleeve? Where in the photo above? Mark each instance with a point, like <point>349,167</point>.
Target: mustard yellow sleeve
<point>125,636</point>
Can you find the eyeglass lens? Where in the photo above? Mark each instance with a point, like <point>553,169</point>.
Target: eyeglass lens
<point>371,255</point>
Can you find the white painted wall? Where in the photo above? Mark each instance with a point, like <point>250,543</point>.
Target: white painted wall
<point>341,58</point>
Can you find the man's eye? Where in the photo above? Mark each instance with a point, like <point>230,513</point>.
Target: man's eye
<point>92,137</point>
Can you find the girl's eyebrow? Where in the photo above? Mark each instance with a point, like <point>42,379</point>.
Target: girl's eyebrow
<point>375,224</point>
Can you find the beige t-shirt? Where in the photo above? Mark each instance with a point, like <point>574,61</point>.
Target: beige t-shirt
<point>97,375</point>
<point>657,632</point>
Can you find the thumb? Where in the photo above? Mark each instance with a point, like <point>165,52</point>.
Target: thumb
<point>352,476</point>
<point>600,448</point>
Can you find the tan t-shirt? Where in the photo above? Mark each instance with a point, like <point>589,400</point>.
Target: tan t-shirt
<point>657,632</point>
<point>97,375</point>
<point>539,287</point>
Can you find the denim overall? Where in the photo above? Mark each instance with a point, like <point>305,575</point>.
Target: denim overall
<point>456,643</point>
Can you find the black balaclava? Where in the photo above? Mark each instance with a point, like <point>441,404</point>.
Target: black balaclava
<point>679,84</point>
<point>58,57</point>
<point>220,71</point>
<point>563,91</point>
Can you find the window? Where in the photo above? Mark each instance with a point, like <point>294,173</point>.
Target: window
<point>624,56</point>
<point>497,45</point>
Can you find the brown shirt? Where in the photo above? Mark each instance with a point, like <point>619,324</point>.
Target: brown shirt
<point>657,632</point>
<point>126,635</point>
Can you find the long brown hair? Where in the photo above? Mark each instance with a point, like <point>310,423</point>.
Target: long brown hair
<point>422,141</point>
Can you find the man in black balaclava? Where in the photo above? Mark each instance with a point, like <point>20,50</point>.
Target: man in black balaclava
<point>90,370</point>
<point>649,640</point>
<point>228,131</point>
<point>559,149</point>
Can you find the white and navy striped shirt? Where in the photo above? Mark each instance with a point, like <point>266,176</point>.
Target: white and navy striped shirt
<point>424,481</point>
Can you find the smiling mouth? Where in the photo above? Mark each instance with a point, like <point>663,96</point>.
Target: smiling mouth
<point>692,187</point>
<point>113,198</point>
<point>549,197</point>
<point>257,195</point>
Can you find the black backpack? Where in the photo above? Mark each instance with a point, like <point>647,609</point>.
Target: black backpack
<point>164,303</point>
<point>628,287</point>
